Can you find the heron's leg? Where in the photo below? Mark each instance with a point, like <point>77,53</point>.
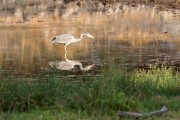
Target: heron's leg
<point>65,55</point>
<point>65,49</point>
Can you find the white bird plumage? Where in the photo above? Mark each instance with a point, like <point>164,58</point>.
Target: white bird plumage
<point>67,39</point>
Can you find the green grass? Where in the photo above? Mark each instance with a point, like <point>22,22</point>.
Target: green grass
<point>140,91</point>
<point>80,115</point>
<point>53,115</point>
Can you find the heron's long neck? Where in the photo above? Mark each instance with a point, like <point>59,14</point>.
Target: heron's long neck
<point>81,36</point>
<point>83,68</point>
<point>78,39</point>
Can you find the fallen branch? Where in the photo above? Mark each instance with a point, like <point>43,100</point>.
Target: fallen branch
<point>142,115</point>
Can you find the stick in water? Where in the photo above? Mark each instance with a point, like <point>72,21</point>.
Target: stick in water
<point>142,115</point>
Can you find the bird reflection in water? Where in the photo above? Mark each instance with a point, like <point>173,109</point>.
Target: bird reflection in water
<point>69,65</point>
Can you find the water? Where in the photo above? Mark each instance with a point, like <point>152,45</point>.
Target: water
<point>131,37</point>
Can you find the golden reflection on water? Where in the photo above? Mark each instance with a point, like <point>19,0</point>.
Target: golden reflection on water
<point>130,31</point>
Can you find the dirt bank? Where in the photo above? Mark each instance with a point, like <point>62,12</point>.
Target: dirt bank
<point>41,11</point>
<point>162,4</point>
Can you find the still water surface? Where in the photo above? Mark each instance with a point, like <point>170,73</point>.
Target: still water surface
<point>133,37</point>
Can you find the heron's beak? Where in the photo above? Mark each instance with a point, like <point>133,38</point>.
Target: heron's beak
<point>90,36</point>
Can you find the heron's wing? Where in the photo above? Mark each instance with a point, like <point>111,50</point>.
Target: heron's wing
<point>64,38</point>
<point>61,65</point>
<point>64,65</point>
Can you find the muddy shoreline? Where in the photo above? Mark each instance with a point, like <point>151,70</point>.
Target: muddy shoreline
<point>40,11</point>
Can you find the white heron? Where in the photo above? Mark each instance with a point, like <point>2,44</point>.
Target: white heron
<point>67,39</point>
